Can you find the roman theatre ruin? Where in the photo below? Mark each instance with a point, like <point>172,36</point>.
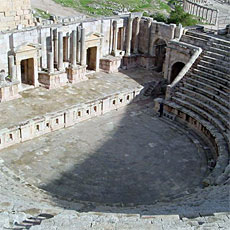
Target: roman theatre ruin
<point>82,145</point>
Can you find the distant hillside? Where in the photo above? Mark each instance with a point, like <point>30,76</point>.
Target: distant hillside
<point>106,7</point>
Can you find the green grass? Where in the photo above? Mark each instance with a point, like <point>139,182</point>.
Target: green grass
<point>42,14</point>
<point>106,7</point>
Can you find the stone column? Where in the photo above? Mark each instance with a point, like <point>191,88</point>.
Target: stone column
<point>78,44</point>
<point>74,48</point>
<point>136,44</point>
<point>211,17</point>
<point>83,48</point>
<point>150,20</point>
<point>55,46</point>
<point>129,36</point>
<point>50,62</point>
<point>60,51</point>
<point>115,33</point>
<point>12,71</point>
<point>10,64</point>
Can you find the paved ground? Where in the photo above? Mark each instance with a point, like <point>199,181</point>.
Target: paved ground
<point>39,101</point>
<point>126,156</point>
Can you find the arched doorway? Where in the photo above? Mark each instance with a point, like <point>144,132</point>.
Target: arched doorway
<point>175,70</point>
<point>160,50</point>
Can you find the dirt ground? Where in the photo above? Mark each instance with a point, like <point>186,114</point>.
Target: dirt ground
<point>54,8</point>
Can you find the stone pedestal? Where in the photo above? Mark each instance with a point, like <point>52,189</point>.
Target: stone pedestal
<point>76,74</point>
<point>53,80</point>
<point>110,64</point>
<point>9,91</point>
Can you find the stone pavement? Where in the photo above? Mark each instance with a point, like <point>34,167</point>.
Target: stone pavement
<point>21,203</point>
<point>40,101</point>
<point>127,156</point>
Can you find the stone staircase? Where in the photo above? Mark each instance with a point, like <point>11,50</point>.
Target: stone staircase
<point>203,96</point>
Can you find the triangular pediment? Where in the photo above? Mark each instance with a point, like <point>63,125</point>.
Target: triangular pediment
<point>93,36</point>
<point>25,47</point>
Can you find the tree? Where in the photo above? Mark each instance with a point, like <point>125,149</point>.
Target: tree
<point>179,16</point>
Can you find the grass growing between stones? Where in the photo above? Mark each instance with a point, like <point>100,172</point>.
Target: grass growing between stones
<point>41,13</point>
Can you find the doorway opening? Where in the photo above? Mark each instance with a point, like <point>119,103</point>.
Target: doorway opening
<point>160,50</point>
<point>119,38</point>
<point>27,71</point>
<point>176,68</point>
<point>92,58</point>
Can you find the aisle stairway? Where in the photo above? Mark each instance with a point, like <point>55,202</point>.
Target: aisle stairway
<point>203,95</point>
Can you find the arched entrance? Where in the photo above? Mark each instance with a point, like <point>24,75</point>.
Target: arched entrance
<point>175,70</point>
<point>160,50</point>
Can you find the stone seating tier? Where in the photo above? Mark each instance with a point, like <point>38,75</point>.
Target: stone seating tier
<point>201,98</point>
<point>211,82</point>
<point>212,77</point>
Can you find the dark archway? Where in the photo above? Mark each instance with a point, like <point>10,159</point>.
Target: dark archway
<point>160,50</point>
<point>175,70</point>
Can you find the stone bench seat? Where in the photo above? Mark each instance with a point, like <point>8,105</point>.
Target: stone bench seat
<point>198,35</point>
<point>217,61</point>
<point>217,176</point>
<point>215,122</point>
<point>210,88</point>
<point>216,55</point>
<point>207,108</point>
<point>221,81</point>
<point>215,66</point>
<point>225,111</point>
<point>207,37</point>
<point>209,94</point>
<point>213,72</point>
<point>221,46</point>
<point>219,51</point>
<point>193,40</point>
<point>212,83</point>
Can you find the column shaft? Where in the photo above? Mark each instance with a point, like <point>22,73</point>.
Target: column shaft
<point>136,44</point>
<point>115,34</point>
<point>60,51</point>
<point>74,48</point>
<point>50,62</point>
<point>78,44</point>
<point>129,37</point>
<point>83,48</point>
<point>55,46</point>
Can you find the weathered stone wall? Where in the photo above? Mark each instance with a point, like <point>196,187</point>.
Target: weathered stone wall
<point>151,31</point>
<point>14,13</point>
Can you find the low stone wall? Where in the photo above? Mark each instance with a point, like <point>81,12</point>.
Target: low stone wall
<point>220,171</point>
<point>207,14</point>
<point>38,126</point>
<point>134,61</point>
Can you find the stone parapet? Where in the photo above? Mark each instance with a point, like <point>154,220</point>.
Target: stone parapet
<point>56,120</point>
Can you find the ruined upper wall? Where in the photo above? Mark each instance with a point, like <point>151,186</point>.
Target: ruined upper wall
<point>14,13</point>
